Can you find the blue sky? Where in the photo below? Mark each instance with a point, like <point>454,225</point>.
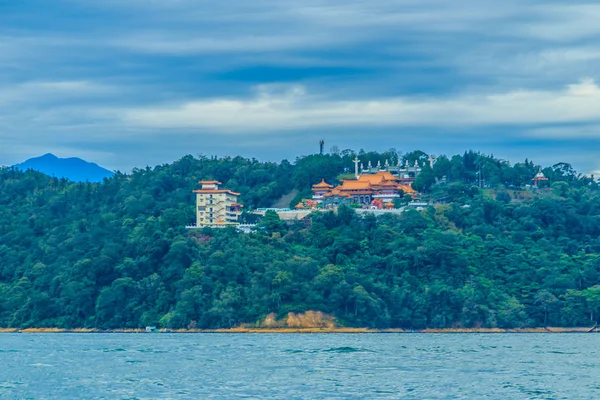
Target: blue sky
<point>130,83</point>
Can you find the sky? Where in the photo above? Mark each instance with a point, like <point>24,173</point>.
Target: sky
<point>131,83</point>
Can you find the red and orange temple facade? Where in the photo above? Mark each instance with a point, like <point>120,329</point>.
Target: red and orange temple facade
<point>379,189</point>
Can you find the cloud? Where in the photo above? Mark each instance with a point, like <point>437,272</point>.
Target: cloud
<point>34,94</point>
<point>161,43</point>
<point>144,81</point>
<point>563,22</point>
<point>269,25</point>
<point>569,55</point>
<point>298,109</point>
<point>570,131</point>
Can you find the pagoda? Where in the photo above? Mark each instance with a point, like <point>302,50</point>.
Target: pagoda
<point>539,177</point>
<point>320,189</point>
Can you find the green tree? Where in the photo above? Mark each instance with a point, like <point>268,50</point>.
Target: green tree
<point>592,300</point>
<point>271,223</point>
<point>425,180</point>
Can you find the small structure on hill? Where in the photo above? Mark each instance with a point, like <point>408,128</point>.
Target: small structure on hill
<point>539,177</point>
<point>321,189</point>
<point>216,207</point>
<point>306,204</point>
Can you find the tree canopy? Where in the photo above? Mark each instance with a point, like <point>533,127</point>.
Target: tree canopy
<point>116,254</point>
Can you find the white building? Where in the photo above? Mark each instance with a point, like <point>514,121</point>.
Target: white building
<point>216,207</point>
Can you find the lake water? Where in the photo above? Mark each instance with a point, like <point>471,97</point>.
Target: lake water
<point>303,366</point>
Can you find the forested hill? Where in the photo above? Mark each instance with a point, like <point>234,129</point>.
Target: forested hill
<point>74,169</point>
<point>116,254</point>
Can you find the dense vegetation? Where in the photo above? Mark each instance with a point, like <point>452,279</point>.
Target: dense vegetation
<point>116,255</point>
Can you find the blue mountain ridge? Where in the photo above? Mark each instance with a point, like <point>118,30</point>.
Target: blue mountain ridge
<point>73,168</point>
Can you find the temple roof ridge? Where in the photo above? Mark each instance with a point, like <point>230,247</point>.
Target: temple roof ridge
<point>208,182</point>
<point>322,184</point>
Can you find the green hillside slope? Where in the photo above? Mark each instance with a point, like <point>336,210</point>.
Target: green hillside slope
<point>116,254</point>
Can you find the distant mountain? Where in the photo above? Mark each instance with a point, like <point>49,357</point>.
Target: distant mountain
<point>74,169</point>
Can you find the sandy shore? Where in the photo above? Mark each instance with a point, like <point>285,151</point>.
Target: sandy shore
<point>308,330</point>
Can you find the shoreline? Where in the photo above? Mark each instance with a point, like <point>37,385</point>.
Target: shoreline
<point>310,330</point>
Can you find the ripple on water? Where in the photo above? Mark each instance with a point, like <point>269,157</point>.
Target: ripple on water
<point>347,349</point>
<point>152,351</point>
<point>10,385</point>
<point>558,352</point>
<point>300,366</point>
<point>117,350</point>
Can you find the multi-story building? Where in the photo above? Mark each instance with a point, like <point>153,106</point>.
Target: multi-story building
<point>216,207</point>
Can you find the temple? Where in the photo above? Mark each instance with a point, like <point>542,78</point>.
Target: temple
<point>216,207</point>
<point>539,177</point>
<point>377,189</point>
<point>374,186</point>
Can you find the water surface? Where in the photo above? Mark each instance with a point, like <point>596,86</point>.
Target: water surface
<point>302,366</point>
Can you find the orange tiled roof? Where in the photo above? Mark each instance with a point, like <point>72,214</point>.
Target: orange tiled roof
<point>216,191</point>
<point>354,185</point>
<point>366,184</point>
<point>388,183</point>
<point>378,177</point>
<point>336,192</point>
<point>406,188</point>
<point>323,184</point>
<point>388,176</point>
<point>373,179</point>
<point>210,183</point>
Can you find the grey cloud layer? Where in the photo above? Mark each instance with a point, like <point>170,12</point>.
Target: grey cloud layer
<point>145,70</point>
<point>296,109</point>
